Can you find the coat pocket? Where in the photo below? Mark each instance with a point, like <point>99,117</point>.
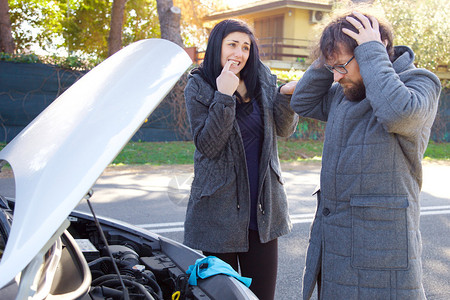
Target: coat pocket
<point>218,175</point>
<point>379,232</point>
<point>275,166</point>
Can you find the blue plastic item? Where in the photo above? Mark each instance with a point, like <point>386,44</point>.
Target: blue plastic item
<point>210,266</point>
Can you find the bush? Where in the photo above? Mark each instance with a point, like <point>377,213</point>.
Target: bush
<point>70,62</point>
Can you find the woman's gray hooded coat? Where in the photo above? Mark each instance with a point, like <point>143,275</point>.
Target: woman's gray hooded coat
<point>218,212</point>
<point>365,238</point>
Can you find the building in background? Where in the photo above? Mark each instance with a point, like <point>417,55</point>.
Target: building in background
<point>285,29</point>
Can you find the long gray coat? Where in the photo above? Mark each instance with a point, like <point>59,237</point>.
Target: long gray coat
<point>365,237</point>
<point>218,212</point>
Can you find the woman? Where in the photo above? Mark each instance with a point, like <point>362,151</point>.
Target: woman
<point>237,207</point>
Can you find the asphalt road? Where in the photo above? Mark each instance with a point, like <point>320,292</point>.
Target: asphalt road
<point>155,198</point>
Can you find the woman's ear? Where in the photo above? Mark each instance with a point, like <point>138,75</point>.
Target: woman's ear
<point>385,43</point>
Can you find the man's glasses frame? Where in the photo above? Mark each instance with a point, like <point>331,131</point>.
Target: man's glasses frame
<point>339,68</point>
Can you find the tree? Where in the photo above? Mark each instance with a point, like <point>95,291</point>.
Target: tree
<point>141,21</point>
<point>81,27</point>
<point>35,22</point>
<point>89,27</point>
<point>192,12</point>
<point>124,22</point>
<point>169,20</point>
<point>85,29</point>
<point>6,39</point>
<point>423,25</point>
<point>115,32</point>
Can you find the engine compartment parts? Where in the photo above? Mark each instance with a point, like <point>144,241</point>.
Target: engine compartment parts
<point>146,271</point>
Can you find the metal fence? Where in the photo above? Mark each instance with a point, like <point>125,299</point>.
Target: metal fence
<point>275,48</point>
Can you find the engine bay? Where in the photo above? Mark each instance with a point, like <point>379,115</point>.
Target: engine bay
<point>146,271</point>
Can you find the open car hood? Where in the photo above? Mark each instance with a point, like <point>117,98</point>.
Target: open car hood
<point>58,157</point>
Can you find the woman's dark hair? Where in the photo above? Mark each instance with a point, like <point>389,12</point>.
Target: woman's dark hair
<point>333,37</point>
<point>211,66</point>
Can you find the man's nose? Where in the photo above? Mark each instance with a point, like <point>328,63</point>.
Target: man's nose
<point>337,76</point>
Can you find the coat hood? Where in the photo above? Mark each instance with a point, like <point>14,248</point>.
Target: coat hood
<point>403,58</point>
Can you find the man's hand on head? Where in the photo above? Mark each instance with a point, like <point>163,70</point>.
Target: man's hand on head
<point>366,32</point>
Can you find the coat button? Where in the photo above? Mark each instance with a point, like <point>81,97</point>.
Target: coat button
<point>325,211</point>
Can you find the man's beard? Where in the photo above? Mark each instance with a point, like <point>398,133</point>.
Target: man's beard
<point>356,92</point>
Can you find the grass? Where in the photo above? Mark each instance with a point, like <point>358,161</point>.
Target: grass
<point>172,153</point>
<point>299,150</point>
<point>168,153</point>
<point>156,153</point>
<point>437,151</point>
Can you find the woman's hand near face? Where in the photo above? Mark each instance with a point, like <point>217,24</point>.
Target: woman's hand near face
<point>288,88</point>
<point>227,82</point>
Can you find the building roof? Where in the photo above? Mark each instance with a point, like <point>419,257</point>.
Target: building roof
<point>268,5</point>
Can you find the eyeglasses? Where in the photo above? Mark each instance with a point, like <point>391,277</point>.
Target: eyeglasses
<point>339,68</point>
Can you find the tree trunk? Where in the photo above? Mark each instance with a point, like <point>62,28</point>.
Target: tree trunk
<point>115,33</point>
<point>6,39</point>
<point>169,20</point>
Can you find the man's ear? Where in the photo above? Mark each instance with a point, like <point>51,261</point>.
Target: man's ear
<point>385,43</point>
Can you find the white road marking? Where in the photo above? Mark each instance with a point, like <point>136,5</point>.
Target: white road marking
<point>295,219</point>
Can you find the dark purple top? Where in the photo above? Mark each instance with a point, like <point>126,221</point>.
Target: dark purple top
<point>251,125</point>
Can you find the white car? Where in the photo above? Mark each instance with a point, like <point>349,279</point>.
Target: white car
<point>49,251</point>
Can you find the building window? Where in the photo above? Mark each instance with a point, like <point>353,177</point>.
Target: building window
<point>269,32</point>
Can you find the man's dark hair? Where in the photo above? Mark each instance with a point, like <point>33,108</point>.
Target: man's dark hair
<point>333,38</point>
<point>211,66</point>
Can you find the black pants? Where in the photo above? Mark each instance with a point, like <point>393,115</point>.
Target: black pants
<point>260,263</point>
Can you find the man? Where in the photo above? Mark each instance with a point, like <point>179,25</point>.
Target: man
<point>365,241</point>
